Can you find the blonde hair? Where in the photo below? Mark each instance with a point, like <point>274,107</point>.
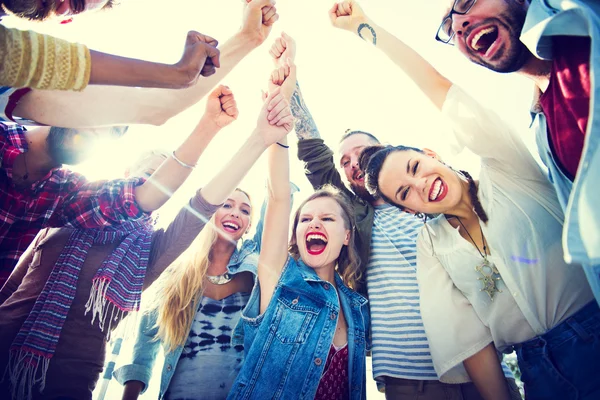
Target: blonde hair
<point>179,289</point>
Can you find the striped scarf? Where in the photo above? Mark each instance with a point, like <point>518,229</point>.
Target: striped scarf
<point>116,290</point>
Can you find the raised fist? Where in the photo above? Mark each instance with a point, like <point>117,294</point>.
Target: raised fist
<point>347,15</point>
<point>259,17</point>
<point>221,107</point>
<point>200,57</point>
<point>283,48</point>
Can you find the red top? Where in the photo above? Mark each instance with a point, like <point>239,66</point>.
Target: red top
<point>61,198</point>
<point>334,381</point>
<point>566,102</point>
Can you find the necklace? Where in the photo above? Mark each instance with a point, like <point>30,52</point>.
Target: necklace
<point>219,279</point>
<point>488,271</point>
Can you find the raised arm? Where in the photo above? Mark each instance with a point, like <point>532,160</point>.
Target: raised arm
<point>348,15</point>
<point>274,252</point>
<point>123,106</point>
<point>98,204</point>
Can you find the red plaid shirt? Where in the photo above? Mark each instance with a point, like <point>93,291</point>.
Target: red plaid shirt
<point>61,198</point>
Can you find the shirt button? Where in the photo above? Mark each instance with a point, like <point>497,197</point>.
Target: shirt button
<point>515,294</point>
<point>295,301</point>
<point>169,367</point>
<point>326,286</point>
<point>318,361</point>
<point>332,316</point>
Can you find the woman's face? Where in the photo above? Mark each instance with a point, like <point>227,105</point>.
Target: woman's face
<point>321,232</point>
<point>420,182</point>
<point>232,219</point>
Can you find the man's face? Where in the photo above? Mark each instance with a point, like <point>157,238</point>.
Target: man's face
<point>489,33</point>
<point>39,10</point>
<point>70,146</point>
<point>349,153</point>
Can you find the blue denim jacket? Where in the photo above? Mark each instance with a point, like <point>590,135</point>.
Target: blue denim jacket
<point>581,234</point>
<point>146,347</point>
<point>287,346</point>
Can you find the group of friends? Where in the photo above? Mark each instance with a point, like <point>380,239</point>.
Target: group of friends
<point>396,254</point>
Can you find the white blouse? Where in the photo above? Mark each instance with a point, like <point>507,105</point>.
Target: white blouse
<point>538,289</point>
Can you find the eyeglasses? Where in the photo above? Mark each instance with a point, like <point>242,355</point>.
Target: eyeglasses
<point>445,33</point>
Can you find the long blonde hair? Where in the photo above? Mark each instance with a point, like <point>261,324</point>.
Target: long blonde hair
<point>180,287</point>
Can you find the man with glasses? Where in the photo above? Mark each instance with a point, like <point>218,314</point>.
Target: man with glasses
<point>551,42</point>
<point>402,354</point>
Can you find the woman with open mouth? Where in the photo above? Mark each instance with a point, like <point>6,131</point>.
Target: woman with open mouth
<point>195,305</point>
<point>304,328</point>
<point>490,267</point>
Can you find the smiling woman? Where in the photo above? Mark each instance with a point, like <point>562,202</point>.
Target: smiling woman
<point>40,10</point>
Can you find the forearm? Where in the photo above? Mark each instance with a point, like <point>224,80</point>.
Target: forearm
<point>221,186</point>
<point>486,373</point>
<point>109,69</point>
<point>426,77</point>
<point>132,390</point>
<point>115,105</point>
<point>305,127</point>
<point>171,174</point>
<point>278,173</point>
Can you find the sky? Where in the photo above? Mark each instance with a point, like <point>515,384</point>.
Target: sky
<point>346,82</point>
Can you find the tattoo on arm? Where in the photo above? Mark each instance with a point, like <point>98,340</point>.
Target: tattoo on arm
<point>305,125</point>
<point>369,27</point>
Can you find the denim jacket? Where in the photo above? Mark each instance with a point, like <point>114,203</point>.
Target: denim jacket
<point>581,234</point>
<point>287,346</point>
<point>146,346</point>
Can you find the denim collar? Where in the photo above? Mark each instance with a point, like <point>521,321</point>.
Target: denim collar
<point>309,275</point>
<point>244,259</point>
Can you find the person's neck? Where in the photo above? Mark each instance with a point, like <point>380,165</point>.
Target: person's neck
<point>377,202</point>
<point>221,253</point>
<point>327,273</point>
<point>464,208</point>
<point>36,162</point>
<point>538,71</point>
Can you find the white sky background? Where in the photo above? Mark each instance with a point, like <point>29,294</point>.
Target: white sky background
<point>346,83</point>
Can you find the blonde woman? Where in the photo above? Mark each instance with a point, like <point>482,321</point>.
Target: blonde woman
<point>198,301</point>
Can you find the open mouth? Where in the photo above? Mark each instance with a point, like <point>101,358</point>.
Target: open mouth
<point>438,190</point>
<point>482,41</point>
<point>316,243</point>
<point>358,176</point>
<point>230,226</point>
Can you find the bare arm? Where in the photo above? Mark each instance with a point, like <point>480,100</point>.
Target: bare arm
<point>486,373</point>
<point>349,16</point>
<point>200,58</point>
<point>123,106</point>
<point>221,110</point>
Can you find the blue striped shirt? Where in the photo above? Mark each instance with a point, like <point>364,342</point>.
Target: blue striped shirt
<point>400,347</point>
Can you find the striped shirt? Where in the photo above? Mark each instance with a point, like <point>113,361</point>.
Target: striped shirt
<point>400,347</point>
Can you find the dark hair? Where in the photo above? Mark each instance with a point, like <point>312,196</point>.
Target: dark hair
<point>348,262</point>
<point>350,132</point>
<point>371,161</point>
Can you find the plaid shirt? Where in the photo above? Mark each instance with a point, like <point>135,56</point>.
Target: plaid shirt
<point>61,198</point>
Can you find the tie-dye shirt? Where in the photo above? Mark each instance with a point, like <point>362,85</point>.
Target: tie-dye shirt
<point>208,348</point>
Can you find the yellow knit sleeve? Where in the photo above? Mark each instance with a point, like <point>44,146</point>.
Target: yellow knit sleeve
<point>30,59</point>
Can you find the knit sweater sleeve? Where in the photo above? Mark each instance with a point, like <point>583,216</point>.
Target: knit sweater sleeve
<point>38,61</point>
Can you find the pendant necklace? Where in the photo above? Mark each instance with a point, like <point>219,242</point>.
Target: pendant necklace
<point>219,279</point>
<point>489,273</point>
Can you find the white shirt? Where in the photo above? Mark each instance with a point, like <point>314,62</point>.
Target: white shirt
<point>523,234</point>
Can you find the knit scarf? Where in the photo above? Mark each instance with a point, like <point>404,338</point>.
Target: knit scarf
<point>116,290</point>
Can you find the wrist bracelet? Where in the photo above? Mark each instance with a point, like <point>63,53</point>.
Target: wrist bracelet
<point>283,145</point>
<point>184,165</point>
